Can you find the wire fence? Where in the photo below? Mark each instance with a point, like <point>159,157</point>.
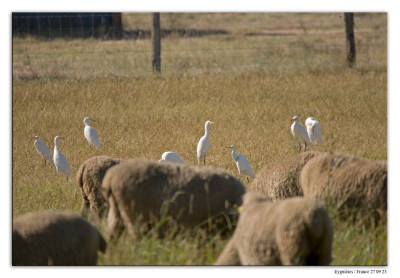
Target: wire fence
<point>89,45</point>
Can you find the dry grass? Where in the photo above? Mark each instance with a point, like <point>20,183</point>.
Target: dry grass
<point>141,115</point>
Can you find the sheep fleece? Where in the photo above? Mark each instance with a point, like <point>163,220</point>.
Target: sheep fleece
<point>294,231</point>
<point>348,181</point>
<point>89,178</point>
<point>280,180</point>
<point>144,190</point>
<point>55,238</point>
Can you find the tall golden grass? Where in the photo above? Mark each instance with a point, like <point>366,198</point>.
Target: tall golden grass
<point>141,115</point>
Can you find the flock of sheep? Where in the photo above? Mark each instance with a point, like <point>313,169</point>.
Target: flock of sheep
<point>281,216</point>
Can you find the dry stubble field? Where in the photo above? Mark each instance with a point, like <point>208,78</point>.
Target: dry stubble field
<point>247,88</point>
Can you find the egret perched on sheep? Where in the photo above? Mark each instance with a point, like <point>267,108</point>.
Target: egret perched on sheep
<point>43,150</point>
<point>59,159</point>
<point>313,130</point>
<point>242,163</point>
<point>300,133</point>
<point>204,144</point>
<point>90,133</point>
<point>171,157</point>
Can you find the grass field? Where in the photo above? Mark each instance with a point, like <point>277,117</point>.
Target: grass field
<point>248,88</point>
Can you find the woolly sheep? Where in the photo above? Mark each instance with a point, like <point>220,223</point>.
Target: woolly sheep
<point>55,238</point>
<point>347,182</point>
<point>89,178</point>
<point>279,180</point>
<point>294,231</point>
<point>142,191</point>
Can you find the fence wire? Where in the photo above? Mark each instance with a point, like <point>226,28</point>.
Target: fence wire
<point>96,45</point>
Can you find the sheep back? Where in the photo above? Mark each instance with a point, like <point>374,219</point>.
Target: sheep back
<point>294,231</point>
<point>347,183</point>
<point>144,191</point>
<point>55,238</point>
<point>89,178</point>
<point>280,180</point>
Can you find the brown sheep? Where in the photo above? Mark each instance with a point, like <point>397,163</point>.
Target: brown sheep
<point>347,182</point>
<point>279,180</point>
<point>55,238</point>
<point>294,231</point>
<point>89,178</point>
<point>143,192</point>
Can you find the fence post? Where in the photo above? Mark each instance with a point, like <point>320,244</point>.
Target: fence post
<point>351,46</point>
<point>156,41</point>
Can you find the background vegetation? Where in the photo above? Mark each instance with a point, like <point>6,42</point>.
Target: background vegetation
<point>250,80</point>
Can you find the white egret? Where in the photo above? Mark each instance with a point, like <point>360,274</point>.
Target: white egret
<point>300,133</point>
<point>43,150</point>
<point>90,133</point>
<point>204,144</point>
<point>313,130</point>
<point>59,159</point>
<point>171,157</point>
<point>242,163</point>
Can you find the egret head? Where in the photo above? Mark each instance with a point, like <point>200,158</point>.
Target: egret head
<point>233,147</point>
<point>36,137</point>
<point>295,118</point>
<point>57,138</point>
<point>87,120</point>
<point>208,123</point>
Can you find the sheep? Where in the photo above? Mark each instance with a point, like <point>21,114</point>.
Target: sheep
<point>279,180</point>
<point>146,193</point>
<point>294,231</point>
<point>348,183</point>
<point>55,238</point>
<point>89,177</point>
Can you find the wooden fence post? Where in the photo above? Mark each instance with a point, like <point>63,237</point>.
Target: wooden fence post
<point>156,40</point>
<point>351,46</point>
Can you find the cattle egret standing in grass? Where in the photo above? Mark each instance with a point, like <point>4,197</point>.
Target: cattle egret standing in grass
<point>313,130</point>
<point>242,163</point>
<point>204,145</point>
<point>59,159</point>
<point>300,133</point>
<point>90,133</point>
<point>43,150</point>
<point>171,157</point>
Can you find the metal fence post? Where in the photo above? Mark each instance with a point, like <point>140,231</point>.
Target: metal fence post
<point>351,46</point>
<point>156,41</point>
